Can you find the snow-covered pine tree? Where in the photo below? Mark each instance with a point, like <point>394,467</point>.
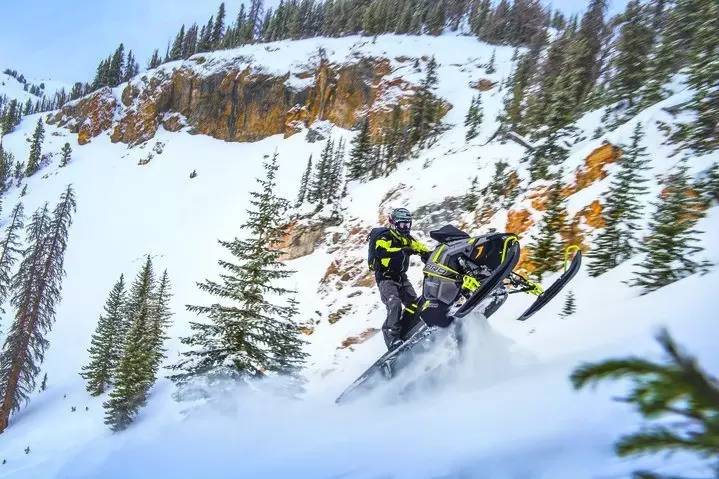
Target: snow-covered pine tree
<point>474,118</point>
<point>321,188</point>
<point>7,160</point>
<point>334,189</point>
<point>36,289</point>
<point>360,155</point>
<point>631,62</point>
<point>623,207</point>
<point>547,248</point>
<point>134,374</point>
<point>43,383</point>
<point>710,186</point>
<point>672,242</point>
<point>176,49</point>
<point>104,351</point>
<point>423,110</point>
<point>491,68</point>
<point>550,152</point>
<point>248,332</point>
<point>161,315</point>
<point>155,60</point>
<point>471,199</point>
<point>66,153</point>
<point>702,133</point>
<point>676,393</point>
<point>218,29</point>
<point>303,193</point>
<point>570,305</point>
<point>10,250</point>
<point>33,162</point>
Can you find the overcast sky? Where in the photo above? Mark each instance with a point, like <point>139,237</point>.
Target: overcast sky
<point>64,39</point>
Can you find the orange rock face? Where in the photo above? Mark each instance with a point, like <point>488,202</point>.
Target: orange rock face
<point>242,104</point>
<point>518,221</point>
<point>88,117</point>
<point>593,168</point>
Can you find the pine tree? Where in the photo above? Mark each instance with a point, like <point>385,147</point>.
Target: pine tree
<point>134,374</point>
<point>675,388</point>
<point>424,108</point>
<point>491,68</point>
<point>321,186</point>
<point>104,357</point>
<point>474,118</point>
<point>218,28</point>
<point>33,162</point>
<point>623,206</point>
<point>570,305</point>
<point>155,60</point>
<point>160,321</point>
<point>552,151</point>
<point>302,195</point>
<point>36,289</point>
<point>66,155</point>
<point>471,199</point>
<point>547,248</point>
<point>116,66</point>
<point>672,241</point>
<point>248,334</point>
<point>177,44</point>
<point>7,160</point>
<point>10,249</point>
<point>43,383</point>
<point>360,155</point>
<point>631,62</point>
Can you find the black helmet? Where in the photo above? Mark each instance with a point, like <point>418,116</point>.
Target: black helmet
<point>401,220</point>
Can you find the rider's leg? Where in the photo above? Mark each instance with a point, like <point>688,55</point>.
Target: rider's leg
<point>389,292</point>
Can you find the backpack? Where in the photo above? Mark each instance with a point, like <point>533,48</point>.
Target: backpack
<point>371,250</point>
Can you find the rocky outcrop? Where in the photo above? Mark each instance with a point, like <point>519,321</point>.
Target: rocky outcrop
<point>301,237</point>
<point>594,167</point>
<point>240,102</point>
<point>89,116</point>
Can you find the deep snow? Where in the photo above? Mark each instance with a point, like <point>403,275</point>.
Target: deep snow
<point>508,411</point>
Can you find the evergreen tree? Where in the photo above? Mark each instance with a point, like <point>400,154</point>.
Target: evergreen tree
<point>672,241</point>
<point>116,67</point>
<point>570,305</point>
<point>631,61</point>
<point>218,29</point>
<point>155,60</point>
<point>302,195</point>
<point>250,334</point>
<point>474,118</point>
<point>10,250</point>
<point>36,289</point>
<point>66,155</point>
<point>423,110</point>
<point>176,49</point>
<point>546,250</point>
<point>590,38</point>
<point>131,67</point>
<point>552,151</point>
<point>160,321</point>
<point>471,199</point>
<point>675,388</point>
<point>491,68</point>
<point>43,383</point>
<point>360,155</point>
<point>321,187</point>
<point>134,374</point>
<point>7,160</point>
<point>622,208</point>
<point>104,349</point>
<point>33,162</point>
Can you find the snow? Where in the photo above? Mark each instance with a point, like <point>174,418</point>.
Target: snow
<point>13,89</point>
<point>507,412</point>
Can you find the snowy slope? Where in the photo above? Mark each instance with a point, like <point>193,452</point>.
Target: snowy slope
<point>508,412</point>
<point>13,89</point>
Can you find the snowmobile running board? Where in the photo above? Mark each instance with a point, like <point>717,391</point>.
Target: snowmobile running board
<point>558,285</point>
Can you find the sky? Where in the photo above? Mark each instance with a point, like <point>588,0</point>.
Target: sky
<point>64,40</point>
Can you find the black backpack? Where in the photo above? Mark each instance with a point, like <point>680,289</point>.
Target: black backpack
<point>371,250</point>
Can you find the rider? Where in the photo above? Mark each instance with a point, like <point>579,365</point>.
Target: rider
<point>456,268</point>
<point>391,248</point>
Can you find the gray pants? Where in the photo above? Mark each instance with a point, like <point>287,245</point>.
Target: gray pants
<point>394,294</point>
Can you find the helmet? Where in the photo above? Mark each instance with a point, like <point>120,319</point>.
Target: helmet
<point>401,220</point>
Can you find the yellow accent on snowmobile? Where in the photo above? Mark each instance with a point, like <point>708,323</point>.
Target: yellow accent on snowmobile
<point>506,245</point>
<point>570,249</point>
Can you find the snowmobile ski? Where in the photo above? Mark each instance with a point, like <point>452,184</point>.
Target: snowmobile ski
<point>558,285</point>
<point>382,368</point>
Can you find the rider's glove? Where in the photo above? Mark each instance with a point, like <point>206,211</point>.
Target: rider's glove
<point>536,289</point>
<point>470,283</point>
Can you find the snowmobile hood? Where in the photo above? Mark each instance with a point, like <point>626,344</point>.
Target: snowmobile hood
<point>448,233</point>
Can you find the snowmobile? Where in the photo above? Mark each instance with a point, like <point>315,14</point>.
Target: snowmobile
<point>495,287</point>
